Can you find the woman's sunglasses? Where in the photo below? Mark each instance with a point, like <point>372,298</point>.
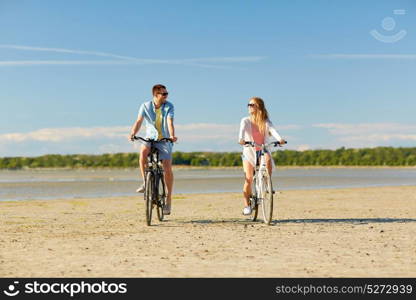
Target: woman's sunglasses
<point>251,105</point>
<point>164,94</point>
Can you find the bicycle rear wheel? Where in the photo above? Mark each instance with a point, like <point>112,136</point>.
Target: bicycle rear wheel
<point>254,203</point>
<point>149,195</point>
<point>161,197</point>
<point>267,198</point>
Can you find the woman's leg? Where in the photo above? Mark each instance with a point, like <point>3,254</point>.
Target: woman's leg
<point>269,163</point>
<point>248,170</point>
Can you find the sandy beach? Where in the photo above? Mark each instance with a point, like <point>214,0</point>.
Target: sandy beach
<point>357,232</point>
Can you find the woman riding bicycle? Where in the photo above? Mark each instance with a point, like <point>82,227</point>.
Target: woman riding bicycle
<point>255,128</point>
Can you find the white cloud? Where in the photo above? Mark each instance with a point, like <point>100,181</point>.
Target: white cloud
<point>63,134</point>
<point>374,138</point>
<point>370,134</point>
<point>12,63</point>
<point>229,59</point>
<point>365,56</point>
<point>206,126</point>
<point>69,51</point>
<point>112,148</point>
<point>226,127</point>
<point>121,59</point>
<point>289,127</point>
<point>366,128</point>
<point>192,137</point>
<point>303,147</point>
<point>209,131</point>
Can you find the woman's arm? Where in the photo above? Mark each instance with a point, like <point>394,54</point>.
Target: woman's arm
<point>273,131</point>
<point>241,132</point>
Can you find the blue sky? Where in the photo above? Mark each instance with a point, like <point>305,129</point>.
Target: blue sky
<point>73,73</point>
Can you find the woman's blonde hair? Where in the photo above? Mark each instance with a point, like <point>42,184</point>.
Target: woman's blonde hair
<point>261,115</point>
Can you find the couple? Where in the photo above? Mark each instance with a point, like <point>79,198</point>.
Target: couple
<point>159,114</point>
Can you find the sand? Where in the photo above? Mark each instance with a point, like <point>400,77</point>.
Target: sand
<point>360,232</point>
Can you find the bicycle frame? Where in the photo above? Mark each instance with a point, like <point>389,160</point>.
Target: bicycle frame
<point>260,170</point>
<point>262,184</point>
<point>153,178</point>
<point>154,164</point>
<point>153,161</point>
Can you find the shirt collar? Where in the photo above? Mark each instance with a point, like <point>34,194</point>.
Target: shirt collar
<point>154,106</point>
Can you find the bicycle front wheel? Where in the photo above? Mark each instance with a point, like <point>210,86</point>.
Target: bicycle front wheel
<point>161,197</point>
<point>267,198</point>
<point>149,195</point>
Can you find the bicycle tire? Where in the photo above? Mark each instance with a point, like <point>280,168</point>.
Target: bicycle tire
<point>267,198</point>
<point>161,193</point>
<point>255,205</point>
<point>148,194</point>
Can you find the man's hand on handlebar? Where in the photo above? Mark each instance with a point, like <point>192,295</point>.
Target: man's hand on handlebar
<point>170,139</point>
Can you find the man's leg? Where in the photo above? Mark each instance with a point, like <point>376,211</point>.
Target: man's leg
<point>144,152</point>
<point>167,167</point>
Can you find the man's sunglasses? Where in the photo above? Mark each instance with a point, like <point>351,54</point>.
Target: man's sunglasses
<point>164,94</point>
<point>251,105</point>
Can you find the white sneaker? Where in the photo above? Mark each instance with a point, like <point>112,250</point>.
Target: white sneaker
<point>247,211</point>
<point>140,189</point>
<point>166,209</point>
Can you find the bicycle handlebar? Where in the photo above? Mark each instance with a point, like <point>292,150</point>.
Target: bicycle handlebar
<point>152,140</point>
<point>253,144</point>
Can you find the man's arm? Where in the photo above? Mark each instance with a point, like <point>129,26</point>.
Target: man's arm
<point>136,127</point>
<point>171,129</point>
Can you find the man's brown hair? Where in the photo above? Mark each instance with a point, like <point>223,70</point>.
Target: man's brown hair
<point>157,88</point>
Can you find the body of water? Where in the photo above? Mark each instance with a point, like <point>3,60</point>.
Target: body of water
<point>54,184</point>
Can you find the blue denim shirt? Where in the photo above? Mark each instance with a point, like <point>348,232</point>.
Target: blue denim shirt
<point>147,110</point>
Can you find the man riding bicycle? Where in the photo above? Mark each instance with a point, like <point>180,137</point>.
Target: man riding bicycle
<point>159,114</point>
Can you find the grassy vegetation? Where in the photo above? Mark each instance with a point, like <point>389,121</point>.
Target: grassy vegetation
<point>380,156</point>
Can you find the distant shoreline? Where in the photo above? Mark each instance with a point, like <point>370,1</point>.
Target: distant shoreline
<point>342,157</point>
<point>184,167</point>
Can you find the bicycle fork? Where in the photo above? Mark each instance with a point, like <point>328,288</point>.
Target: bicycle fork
<point>260,178</point>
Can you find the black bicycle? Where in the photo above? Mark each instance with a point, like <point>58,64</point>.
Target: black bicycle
<point>154,183</point>
<point>262,187</point>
